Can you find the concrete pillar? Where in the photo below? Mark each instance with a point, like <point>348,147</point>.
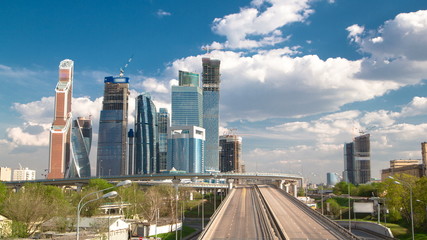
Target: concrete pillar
<point>230,182</point>
<point>280,183</point>
<point>295,189</point>
<point>287,187</point>
<point>191,196</point>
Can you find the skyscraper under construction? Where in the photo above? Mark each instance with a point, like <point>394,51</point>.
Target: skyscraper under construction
<point>112,137</point>
<point>211,83</point>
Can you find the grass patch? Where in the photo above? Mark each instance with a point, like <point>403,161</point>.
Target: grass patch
<point>171,235</point>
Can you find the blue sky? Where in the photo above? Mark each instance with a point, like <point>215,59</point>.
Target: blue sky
<point>299,77</point>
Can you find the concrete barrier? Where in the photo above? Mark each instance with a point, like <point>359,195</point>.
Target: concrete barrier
<point>369,227</point>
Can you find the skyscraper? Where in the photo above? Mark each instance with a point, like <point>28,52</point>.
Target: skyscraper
<point>187,101</point>
<point>332,179</point>
<point>357,160</point>
<point>146,141</point>
<point>211,83</point>
<point>60,132</point>
<point>163,125</point>
<point>185,148</point>
<point>349,164</point>
<point>362,157</point>
<point>81,141</point>
<point>230,153</point>
<point>112,137</point>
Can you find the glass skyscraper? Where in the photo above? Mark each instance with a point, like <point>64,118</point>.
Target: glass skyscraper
<point>185,149</point>
<point>146,141</point>
<point>211,83</point>
<point>163,125</point>
<point>81,141</point>
<point>112,137</point>
<point>187,101</point>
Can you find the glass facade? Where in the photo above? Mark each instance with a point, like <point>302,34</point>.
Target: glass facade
<point>211,83</point>
<point>112,137</point>
<point>230,153</point>
<point>187,106</point>
<point>163,125</point>
<point>188,79</point>
<point>146,140</point>
<point>81,141</point>
<point>185,149</point>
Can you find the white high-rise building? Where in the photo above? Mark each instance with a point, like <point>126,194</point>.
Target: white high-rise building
<point>24,174</point>
<point>5,174</point>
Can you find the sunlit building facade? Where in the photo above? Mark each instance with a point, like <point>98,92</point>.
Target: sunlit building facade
<point>185,149</point>
<point>146,140</point>
<point>60,132</point>
<point>112,137</point>
<point>211,94</point>
<point>187,101</point>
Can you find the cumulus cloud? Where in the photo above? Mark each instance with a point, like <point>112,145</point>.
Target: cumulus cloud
<point>396,49</point>
<point>354,32</point>
<point>289,86</point>
<point>258,25</point>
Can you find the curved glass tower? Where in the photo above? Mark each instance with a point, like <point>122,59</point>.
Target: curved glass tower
<point>81,141</point>
<point>146,140</point>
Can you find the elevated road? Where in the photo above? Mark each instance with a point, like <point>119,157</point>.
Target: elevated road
<point>241,217</point>
<point>299,221</point>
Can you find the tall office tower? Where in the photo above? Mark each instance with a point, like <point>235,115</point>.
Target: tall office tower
<point>211,82</point>
<point>131,167</point>
<point>185,148</point>
<point>60,132</point>
<point>362,158</point>
<point>187,101</point>
<point>81,141</point>
<point>230,153</point>
<point>112,137</point>
<point>146,141</point>
<point>163,125</point>
<point>349,164</point>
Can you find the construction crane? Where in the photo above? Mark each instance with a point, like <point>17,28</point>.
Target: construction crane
<point>122,70</point>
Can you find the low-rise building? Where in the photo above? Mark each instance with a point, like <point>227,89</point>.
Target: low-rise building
<point>410,167</point>
<point>5,174</point>
<point>24,174</point>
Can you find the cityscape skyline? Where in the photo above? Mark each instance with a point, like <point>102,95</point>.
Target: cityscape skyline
<point>296,86</point>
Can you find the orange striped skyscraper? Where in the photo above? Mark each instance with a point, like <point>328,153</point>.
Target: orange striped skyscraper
<point>60,132</point>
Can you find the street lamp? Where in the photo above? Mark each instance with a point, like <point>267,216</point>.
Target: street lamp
<point>175,182</point>
<point>410,194</point>
<point>120,184</point>
<point>111,194</point>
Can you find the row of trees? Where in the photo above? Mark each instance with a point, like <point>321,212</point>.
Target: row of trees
<point>34,204</point>
<point>395,195</point>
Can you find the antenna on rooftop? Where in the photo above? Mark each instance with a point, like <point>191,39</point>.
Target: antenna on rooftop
<point>122,70</point>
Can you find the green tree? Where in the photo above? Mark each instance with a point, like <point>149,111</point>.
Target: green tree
<point>99,184</point>
<point>3,194</point>
<point>33,205</point>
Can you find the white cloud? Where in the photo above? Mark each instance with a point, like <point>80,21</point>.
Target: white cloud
<point>259,25</point>
<point>271,83</point>
<point>354,32</point>
<point>418,106</point>
<point>162,13</point>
